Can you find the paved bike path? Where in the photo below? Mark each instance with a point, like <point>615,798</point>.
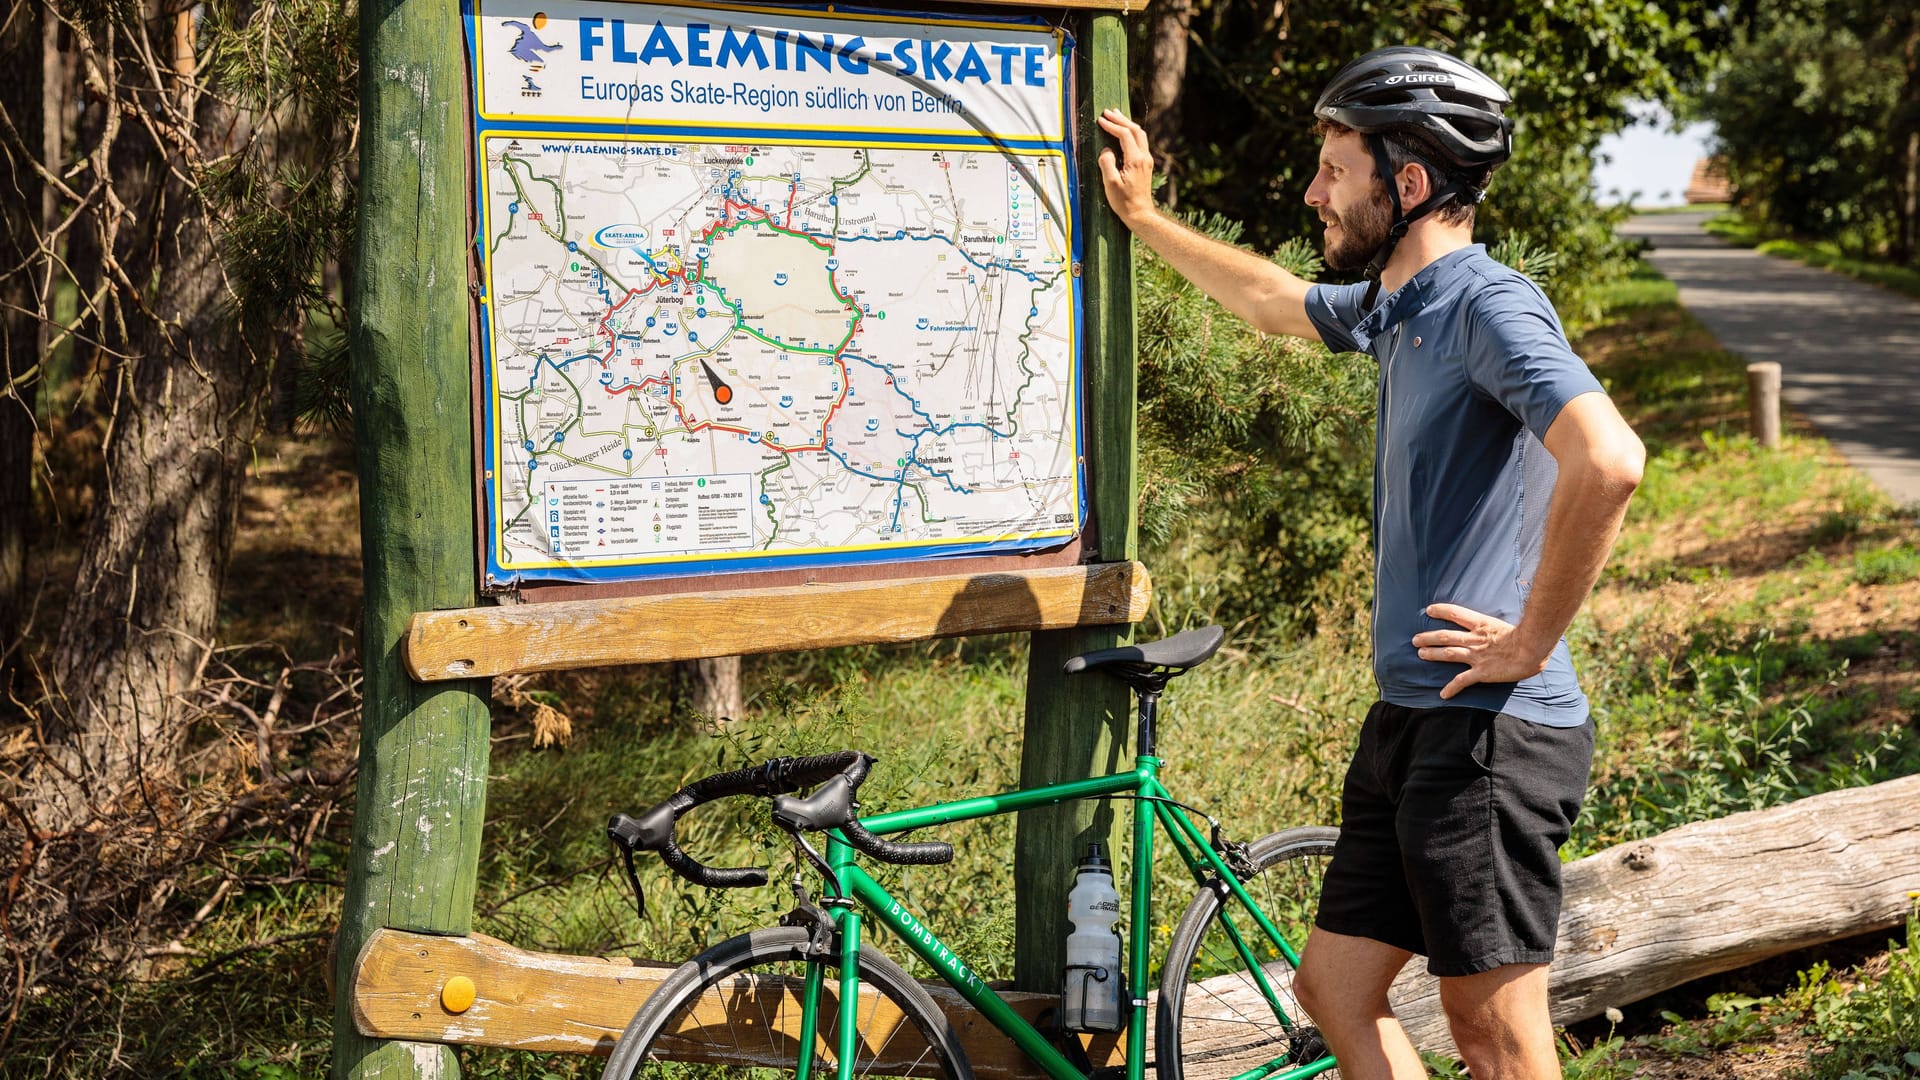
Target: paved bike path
<point>1849,352</point>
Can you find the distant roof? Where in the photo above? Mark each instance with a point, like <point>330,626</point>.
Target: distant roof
<point>1709,183</point>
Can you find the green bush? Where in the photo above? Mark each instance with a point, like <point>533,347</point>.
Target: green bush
<point>1887,566</point>
<point>1255,454</point>
<point>1873,1025</point>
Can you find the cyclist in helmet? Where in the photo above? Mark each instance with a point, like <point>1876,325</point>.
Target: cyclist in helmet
<point>1502,473</point>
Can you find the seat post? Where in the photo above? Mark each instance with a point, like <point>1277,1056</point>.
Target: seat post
<point>1149,713</point>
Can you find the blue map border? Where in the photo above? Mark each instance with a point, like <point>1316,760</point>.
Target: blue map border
<point>498,578</point>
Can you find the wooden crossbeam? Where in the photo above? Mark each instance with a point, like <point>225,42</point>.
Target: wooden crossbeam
<point>571,1004</point>
<point>484,641</point>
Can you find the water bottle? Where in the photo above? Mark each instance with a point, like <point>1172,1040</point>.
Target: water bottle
<point>1090,999</point>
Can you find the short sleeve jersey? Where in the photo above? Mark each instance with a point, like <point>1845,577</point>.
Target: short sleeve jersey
<point>1474,368</point>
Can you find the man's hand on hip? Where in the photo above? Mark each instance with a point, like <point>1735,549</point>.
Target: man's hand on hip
<point>1493,649</point>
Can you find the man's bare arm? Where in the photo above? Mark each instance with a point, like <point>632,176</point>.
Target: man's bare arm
<point>1264,294</point>
<point>1600,461</point>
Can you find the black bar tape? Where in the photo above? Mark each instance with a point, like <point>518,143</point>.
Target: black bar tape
<point>653,830</point>
<point>928,853</point>
<point>713,877</point>
<point>818,768</point>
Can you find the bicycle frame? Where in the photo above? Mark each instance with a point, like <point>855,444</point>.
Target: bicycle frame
<point>1143,784</point>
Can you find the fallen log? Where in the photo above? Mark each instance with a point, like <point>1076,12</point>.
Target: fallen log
<point>1648,915</point>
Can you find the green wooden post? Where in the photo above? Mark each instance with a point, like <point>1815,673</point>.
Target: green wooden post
<point>423,748</point>
<point>1081,727</point>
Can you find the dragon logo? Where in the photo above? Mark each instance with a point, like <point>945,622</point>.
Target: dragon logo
<point>530,49</point>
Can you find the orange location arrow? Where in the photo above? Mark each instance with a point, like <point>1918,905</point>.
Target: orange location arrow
<point>722,393</point>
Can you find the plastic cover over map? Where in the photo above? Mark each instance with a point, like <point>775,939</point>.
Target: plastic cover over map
<point>767,287</point>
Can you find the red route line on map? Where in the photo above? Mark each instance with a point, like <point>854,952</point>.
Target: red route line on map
<point>673,398</point>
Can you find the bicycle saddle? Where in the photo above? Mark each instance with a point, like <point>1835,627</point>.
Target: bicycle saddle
<point>1180,652</point>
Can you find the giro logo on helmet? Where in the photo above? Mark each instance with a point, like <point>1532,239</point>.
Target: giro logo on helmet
<point>1419,77</point>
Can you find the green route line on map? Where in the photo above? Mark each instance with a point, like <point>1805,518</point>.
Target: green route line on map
<point>738,309</point>
<point>925,508</point>
<point>1026,350</point>
<point>833,191</point>
<point>1026,346</point>
<point>782,465</point>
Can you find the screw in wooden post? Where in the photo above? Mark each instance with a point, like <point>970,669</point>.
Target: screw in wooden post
<point>458,994</point>
<point>1763,403</point>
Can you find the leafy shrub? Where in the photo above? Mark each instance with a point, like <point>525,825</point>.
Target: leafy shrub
<point>1255,453</point>
<point>1872,1027</point>
<point>1887,566</point>
<point>1736,721</point>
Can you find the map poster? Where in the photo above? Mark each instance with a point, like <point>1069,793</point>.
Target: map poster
<point>766,287</point>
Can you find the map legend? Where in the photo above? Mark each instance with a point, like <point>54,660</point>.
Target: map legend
<point>668,516</point>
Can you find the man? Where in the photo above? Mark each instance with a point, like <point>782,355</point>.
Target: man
<point>1502,473</point>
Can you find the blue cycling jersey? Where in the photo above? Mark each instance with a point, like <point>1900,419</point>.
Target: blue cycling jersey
<point>1474,367</point>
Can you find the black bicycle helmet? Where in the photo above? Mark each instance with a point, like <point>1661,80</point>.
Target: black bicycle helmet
<point>1447,104</point>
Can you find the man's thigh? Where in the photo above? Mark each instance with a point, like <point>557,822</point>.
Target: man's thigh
<point>1514,995</point>
<point>1365,892</point>
<point>1486,801</point>
<point>1501,1022</point>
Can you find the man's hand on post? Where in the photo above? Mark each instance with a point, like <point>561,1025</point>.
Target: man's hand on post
<point>1129,174</point>
<point>1493,649</point>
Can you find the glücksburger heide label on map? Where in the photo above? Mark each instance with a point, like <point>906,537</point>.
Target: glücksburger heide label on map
<point>720,344</point>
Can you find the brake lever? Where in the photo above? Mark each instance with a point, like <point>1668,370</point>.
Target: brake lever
<point>633,878</point>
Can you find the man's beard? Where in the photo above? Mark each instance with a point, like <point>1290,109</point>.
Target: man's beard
<point>1362,231</point>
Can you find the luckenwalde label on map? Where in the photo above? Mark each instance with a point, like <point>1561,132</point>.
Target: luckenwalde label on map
<point>771,287</point>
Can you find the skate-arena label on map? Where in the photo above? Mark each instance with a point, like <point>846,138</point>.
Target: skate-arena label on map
<point>766,288</point>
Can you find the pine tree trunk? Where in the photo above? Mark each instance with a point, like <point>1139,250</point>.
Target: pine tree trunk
<point>23,337</point>
<point>1166,77</point>
<point>708,688</point>
<point>186,407</point>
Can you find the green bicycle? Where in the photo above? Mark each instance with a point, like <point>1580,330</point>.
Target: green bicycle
<point>812,997</point>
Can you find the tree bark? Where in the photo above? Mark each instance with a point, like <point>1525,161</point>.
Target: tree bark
<point>185,410</point>
<point>709,688</point>
<point>25,85</point>
<point>1166,76</point>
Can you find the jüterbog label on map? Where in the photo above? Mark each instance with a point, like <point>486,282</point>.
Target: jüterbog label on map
<point>769,287</point>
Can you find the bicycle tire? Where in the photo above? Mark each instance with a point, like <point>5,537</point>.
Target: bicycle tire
<point>757,979</point>
<point>1213,1021</point>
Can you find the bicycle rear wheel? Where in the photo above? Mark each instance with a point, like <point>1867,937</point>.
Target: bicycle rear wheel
<point>1217,1017</point>
<point>734,1013</point>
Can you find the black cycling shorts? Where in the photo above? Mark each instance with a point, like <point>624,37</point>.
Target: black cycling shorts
<point>1451,825</point>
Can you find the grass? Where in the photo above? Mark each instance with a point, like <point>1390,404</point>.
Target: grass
<point>1822,253</point>
<point>1752,642</point>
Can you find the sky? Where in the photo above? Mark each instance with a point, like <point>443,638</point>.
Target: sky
<point>1649,158</point>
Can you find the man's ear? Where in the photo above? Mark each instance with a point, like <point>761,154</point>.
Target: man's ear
<point>1416,184</point>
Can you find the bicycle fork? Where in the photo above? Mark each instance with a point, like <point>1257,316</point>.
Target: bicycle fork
<point>823,920</point>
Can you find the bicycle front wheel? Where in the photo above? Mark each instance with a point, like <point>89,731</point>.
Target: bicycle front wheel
<point>735,1013</point>
<point>1227,1006</point>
